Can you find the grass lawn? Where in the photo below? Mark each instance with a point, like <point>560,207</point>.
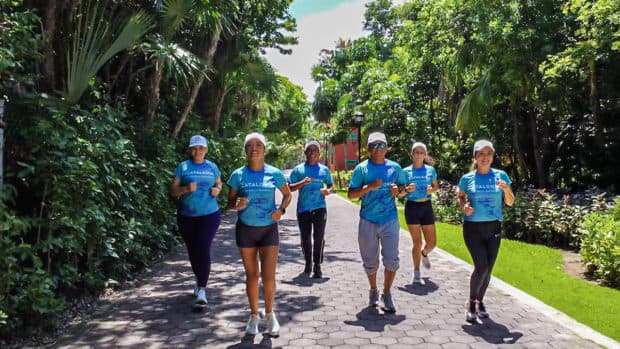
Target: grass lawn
<point>537,270</point>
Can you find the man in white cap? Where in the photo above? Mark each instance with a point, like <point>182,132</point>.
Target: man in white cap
<point>377,181</point>
<point>314,182</point>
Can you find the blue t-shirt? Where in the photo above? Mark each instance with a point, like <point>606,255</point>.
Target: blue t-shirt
<point>260,189</point>
<point>422,177</point>
<point>378,206</point>
<point>484,195</point>
<point>200,202</point>
<point>310,197</point>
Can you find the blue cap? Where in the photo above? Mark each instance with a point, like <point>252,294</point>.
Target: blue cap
<point>198,140</point>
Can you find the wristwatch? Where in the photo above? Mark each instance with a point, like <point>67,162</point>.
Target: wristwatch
<point>283,210</point>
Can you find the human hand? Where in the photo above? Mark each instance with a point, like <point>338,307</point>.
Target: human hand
<point>429,189</point>
<point>468,209</point>
<point>307,180</point>
<point>325,191</point>
<point>394,189</point>
<point>192,186</point>
<point>276,215</point>
<point>501,184</point>
<point>215,191</point>
<point>411,187</point>
<point>241,203</point>
<point>376,184</point>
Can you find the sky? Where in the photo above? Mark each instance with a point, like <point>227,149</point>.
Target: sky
<point>320,23</point>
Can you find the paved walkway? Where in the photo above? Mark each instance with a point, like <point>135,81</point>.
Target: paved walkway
<point>325,313</point>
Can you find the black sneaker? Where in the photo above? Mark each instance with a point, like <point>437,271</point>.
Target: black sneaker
<point>482,311</point>
<point>470,315</point>
<point>317,272</point>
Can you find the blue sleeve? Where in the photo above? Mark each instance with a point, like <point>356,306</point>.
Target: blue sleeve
<point>463,184</point>
<point>434,176</point>
<point>235,180</point>
<point>401,179</point>
<point>504,176</point>
<point>328,178</point>
<point>278,176</point>
<point>294,176</point>
<point>178,173</point>
<point>357,178</point>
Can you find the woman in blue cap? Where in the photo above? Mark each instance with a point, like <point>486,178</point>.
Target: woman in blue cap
<point>196,184</point>
<point>481,194</point>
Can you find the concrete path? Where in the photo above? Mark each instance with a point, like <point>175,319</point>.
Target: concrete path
<point>325,313</point>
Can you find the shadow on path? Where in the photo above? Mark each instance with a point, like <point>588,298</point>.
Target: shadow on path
<point>420,290</point>
<point>492,332</point>
<point>372,320</point>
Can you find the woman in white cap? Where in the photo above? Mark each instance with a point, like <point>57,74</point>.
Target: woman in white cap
<point>196,184</point>
<point>252,195</point>
<point>421,179</point>
<point>481,194</point>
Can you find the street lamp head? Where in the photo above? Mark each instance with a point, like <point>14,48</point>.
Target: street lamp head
<point>358,117</point>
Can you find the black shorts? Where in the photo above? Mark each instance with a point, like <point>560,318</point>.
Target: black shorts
<point>419,213</point>
<point>249,236</point>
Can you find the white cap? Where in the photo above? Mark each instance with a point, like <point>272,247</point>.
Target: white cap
<point>483,143</point>
<point>310,143</point>
<point>418,144</point>
<point>197,140</point>
<point>255,135</point>
<point>377,137</point>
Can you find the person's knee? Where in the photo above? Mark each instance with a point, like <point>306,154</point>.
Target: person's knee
<point>391,263</point>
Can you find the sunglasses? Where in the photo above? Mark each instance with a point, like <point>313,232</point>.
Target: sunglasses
<point>377,145</point>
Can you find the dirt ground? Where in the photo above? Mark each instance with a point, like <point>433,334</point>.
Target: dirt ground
<point>574,266</point>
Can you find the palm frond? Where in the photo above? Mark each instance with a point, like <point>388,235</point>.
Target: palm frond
<point>95,41</point>
<point>475,105</point>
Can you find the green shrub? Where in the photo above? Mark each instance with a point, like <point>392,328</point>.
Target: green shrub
<point>446,208</point>
<point>600,244</point>
<point>342,178</point>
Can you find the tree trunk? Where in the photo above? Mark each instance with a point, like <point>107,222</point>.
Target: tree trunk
<point>517,147</point>
<point>192,97</point>
<point>540,172</point>
<point>49,73</point>
<point>596,106</point>
<point>153,95</point>
<point>217,114</point>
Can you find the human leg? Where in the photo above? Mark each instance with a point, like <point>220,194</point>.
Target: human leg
<point>207,229</point>
<point>416,237</point>
<point>304,220</point>
<point>478,251</point>
<point>188,231</point>
<point>430,241</point>
<point>269,260</point>
<point>493,242</point>
<point>249,256</point>
<point>319,220</point>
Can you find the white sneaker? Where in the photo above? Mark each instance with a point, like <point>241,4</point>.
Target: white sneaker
<point>273,327</point>
<point>196,289</point>
<point>426,262</point>
<point>417,279</point>
<point>252,326</point>
<point>201,299</point>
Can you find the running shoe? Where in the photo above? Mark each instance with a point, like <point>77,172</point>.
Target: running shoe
<point>388,303</point>
<point>252,327</point>
<point>373,297</point>
<point>273,326</point>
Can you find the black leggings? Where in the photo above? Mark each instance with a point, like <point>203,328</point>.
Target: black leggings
<point>198,233</point>
<point>307,220</point>
<point>482,240</point>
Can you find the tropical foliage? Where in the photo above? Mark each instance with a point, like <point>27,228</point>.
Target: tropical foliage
<point>92,136</point>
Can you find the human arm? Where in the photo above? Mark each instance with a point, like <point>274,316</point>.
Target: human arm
<point>299,184</point>
<point>177,190</point>
<point>356,193</point>
<point>509,196</point>
<point>286,200</point>
<point>236,202</point>
<point>217,187</point>
<point>463,203</point>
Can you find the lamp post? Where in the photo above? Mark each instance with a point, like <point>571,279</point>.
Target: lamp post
<point>359,117</point>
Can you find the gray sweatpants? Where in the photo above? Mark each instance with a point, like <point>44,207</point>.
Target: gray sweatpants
<point>374,238</point>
